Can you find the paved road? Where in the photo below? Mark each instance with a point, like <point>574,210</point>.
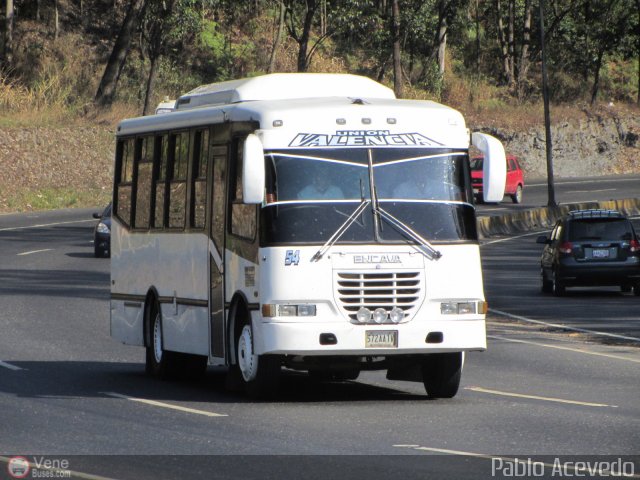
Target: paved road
<point>569,190</point>
<point>67,389</point>
<point>512,285</point>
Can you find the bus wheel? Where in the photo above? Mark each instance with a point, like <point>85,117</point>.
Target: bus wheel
<point>441,374</point>
<point>159,362</point>
<point>260,374</point>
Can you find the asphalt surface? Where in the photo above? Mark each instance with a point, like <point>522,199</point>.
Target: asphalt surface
<point>567,191</point>
<point>69,392</point>
<point>511,267</point>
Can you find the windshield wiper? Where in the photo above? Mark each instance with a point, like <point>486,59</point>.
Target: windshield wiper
<point>431,253</point>
<point>343,228</point>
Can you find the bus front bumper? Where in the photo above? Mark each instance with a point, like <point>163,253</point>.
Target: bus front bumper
<point>299,338</point>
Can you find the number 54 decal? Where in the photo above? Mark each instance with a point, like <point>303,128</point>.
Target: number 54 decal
<point>292,257</point>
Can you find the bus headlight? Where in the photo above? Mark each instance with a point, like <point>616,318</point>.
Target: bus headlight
<point>379,315</point>
<point>396,315</point>
<point>275,310</point>
<point>462,308</point>
<point>363,315</point>
<point>287,311</point>
<point>306,310</point>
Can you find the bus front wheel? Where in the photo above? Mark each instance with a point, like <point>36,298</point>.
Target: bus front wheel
<point>260,374</point>
<point>441,374</point>
<point>158,362</point>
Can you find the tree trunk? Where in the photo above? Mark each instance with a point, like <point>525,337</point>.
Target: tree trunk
<point>596,76</point>
<point>37,10</point>
<point>153,70</point>
<point>512,44</point>
<point>8,33</point>
<point>276,42</point>
<point>304,38</point>
<point>478,38</point>
<point>523,67</point>
<point>397,61</point>
<point>503,43</point>
<point>441,43</point>
<point>638,45</point>
<point>107,88</point>
<point>56,20</point>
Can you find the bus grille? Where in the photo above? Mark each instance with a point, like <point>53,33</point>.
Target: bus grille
<point>378,290</point>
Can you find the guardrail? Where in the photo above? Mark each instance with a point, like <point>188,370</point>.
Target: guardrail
<point>545,217</point>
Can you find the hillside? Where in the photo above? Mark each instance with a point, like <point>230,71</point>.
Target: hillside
<point>54,167</point>
<point>57,124</point>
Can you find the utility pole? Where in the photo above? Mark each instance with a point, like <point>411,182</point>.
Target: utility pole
<point>547,119</point>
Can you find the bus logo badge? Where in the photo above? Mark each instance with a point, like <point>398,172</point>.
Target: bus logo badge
<point>292,257</point>
<point>18,467</point>
<point>377,259</point>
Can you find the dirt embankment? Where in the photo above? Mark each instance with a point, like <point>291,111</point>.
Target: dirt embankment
<point>606,142</point>
<point>74,163</point>
<point>46,167</point>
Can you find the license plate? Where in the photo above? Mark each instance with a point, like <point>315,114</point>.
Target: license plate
<point>600,253</point>
<point>381,339</point>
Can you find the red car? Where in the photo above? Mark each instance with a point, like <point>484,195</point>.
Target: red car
<point>515,178</point>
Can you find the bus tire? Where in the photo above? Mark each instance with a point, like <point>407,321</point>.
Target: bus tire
<point>441,374</point>
<point>260,374</point>
<point>159,362</point>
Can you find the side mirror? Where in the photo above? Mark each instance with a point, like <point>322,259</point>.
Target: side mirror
<point>542,239</point>
<point>494,169</point>
<point>253,172</point>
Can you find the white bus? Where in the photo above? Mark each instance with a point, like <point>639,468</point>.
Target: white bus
<point>303,221</point>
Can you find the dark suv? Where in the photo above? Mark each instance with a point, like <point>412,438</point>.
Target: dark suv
<point>591,248</point>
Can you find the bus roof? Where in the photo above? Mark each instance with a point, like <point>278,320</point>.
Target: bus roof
<point>283,86</point>
<point>283,119</point>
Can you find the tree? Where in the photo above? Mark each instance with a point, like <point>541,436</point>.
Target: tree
<point>606,34</point>
<point>397,59</point>
<point>302,35</point>
<point>276,42</point>
<point>56,20</point>
<point>107,88</point>
<point>156,28</point>
<point>8,33</point>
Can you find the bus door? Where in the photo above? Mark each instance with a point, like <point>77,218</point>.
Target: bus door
<point>216,254</point>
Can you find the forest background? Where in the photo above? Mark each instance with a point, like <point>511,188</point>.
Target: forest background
<point>71,69</point>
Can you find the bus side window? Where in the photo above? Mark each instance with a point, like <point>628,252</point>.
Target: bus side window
<point>143,175</point>
<point>160,184</point>
<point>124,176</point>
<point>177,186</point>
<point>243,217</point>
<point>199,175</point>
<point>219,161</point>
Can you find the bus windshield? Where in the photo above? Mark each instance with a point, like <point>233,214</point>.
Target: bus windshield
<point>310,193</point>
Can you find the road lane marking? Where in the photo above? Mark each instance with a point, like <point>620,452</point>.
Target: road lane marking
<point>576,467</point>
<point>592,191</point>
<point>59,472</point>
<point>11,229</point>
<point>165,405</point>
<point>34,251</point>
<point>10,366</point>
<point>565,327</point>
<point>500,240</point>
<point>537,397</point>
<point>578,182</point>
<point>577,350</point>
<point>448,451</point>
